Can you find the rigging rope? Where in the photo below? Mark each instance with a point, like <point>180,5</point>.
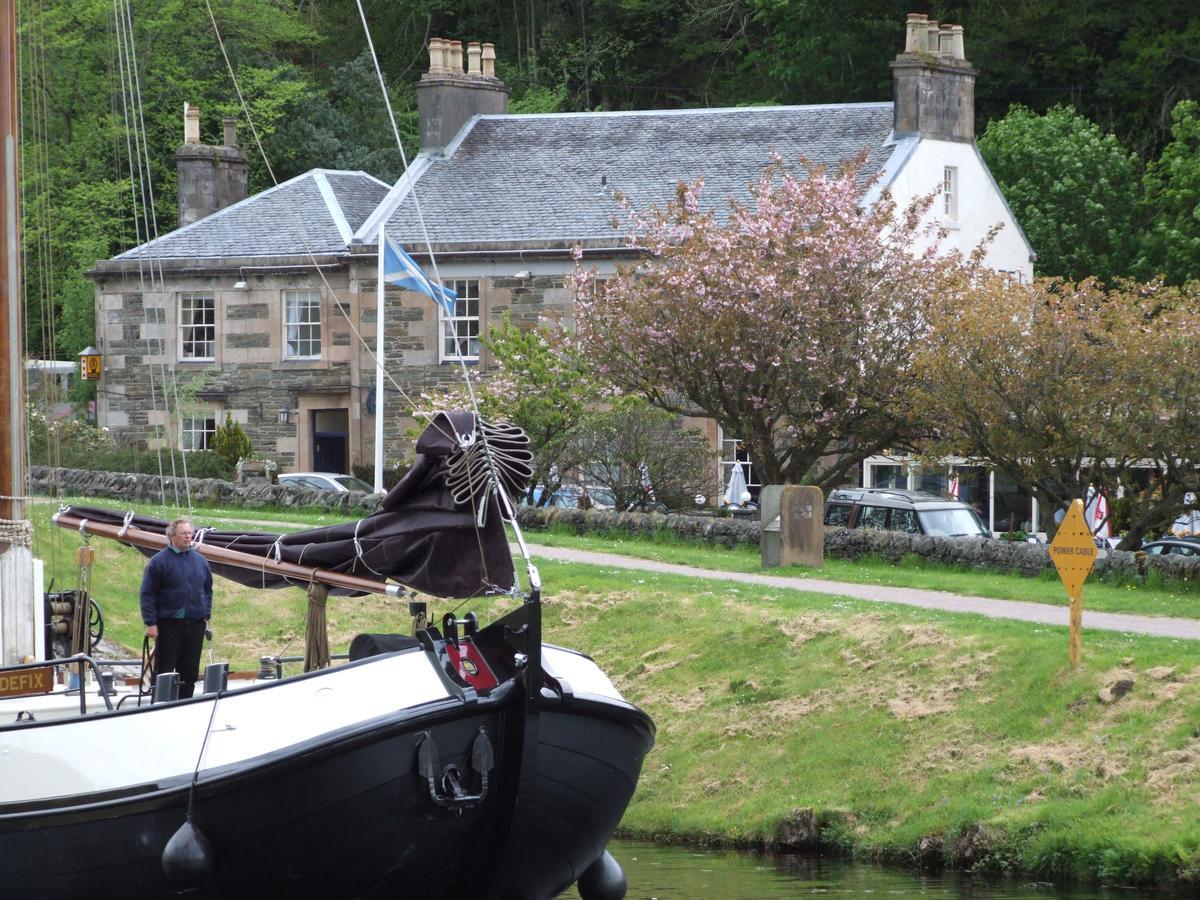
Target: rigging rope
<point>141,184</point>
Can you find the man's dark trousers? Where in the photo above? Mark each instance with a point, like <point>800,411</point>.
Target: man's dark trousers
<point>177,649</point>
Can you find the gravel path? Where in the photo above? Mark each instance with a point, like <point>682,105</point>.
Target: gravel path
<point>1160,626</point>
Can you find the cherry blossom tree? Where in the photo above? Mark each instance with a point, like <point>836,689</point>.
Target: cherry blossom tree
<point>791,320</point>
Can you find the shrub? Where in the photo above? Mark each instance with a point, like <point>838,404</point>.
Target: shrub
<point>230,443</point>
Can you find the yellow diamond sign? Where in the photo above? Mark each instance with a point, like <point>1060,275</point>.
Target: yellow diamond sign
<point>1073,550</point>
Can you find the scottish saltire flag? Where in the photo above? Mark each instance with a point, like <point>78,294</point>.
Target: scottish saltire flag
<point>400,269</point>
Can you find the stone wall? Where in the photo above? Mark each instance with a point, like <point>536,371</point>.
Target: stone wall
<point>990,555</point>
<point>124,486</point>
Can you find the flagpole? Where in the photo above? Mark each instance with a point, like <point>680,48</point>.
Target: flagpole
<point>379,320</point>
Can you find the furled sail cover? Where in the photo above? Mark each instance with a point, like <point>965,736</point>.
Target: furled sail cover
<point>421,537</point>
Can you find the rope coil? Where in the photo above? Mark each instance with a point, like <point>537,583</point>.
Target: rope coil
<point>18,532</point>
<point>503,451</point>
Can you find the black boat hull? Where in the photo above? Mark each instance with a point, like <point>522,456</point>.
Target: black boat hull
<point>353,816</point>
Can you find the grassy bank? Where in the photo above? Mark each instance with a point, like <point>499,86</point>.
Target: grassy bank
<point>900,729</point>
<point>910,735</point>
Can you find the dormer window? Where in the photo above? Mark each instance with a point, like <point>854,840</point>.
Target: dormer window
<point>950,193</point>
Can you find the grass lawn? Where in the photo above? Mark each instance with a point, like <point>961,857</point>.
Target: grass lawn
<point>1154,598</point>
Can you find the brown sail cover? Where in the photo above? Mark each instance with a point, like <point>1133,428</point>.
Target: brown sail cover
<point>419,537</point>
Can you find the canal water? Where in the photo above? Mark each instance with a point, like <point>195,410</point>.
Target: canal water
<point>676,873</point>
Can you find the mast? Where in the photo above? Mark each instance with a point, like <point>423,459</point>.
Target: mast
<point>18,591</point>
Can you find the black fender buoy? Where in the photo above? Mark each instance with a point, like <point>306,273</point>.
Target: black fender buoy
<point>187,860</point>
<point>603,880</point>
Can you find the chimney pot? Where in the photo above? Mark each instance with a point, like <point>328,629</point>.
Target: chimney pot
<point>914,38</point>
<point>191,124</point>
<point>931,37</point>
<point>474,51</point>
<point>489,60</point>
<point>230,125</point>
<point>455,60</point>
<point>957,51</point>
<point>945,40</point>
<point>435,55</point>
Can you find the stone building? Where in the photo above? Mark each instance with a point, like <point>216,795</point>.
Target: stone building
<point>265,307</point>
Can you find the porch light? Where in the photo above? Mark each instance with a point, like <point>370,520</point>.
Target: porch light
<point>284,415</point>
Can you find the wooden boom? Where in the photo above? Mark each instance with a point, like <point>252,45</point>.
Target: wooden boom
<point>303,575</point>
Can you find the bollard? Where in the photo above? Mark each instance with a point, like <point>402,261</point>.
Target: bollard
<point>166,687</point>
<point>216,677</point>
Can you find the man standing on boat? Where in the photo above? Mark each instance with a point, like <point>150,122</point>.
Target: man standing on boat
<point>176,605</point>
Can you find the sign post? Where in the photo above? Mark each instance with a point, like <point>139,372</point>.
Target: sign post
<point>1073,553</point>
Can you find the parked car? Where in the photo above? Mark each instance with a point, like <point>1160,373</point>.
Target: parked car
<point>914,512</point>
<point>326,481</point>
<point>1173,546</point>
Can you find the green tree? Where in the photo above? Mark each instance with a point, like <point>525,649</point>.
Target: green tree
<point>1063,385</point>
<point>1072,188</point>
<point>230,442</point>
<point>643,456</point>
<point>1122,69</point>
<point>1171,243</point>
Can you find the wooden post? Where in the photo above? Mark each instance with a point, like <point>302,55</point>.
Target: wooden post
<point>1075,646</point>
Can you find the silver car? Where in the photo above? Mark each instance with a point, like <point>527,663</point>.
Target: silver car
<point>326,481</point>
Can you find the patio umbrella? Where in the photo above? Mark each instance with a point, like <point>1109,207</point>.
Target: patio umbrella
<point>736,487</point>
<point>952,488</point>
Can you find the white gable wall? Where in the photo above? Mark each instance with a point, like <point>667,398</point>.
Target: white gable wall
<point>980,203</point>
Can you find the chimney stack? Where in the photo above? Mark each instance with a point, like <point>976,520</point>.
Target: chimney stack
<point>210,178</point>
<point>933,84</point>
<point>448,97</point>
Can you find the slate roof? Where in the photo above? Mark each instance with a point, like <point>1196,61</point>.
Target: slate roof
<point>316,212</point>
<point>550,178</point>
